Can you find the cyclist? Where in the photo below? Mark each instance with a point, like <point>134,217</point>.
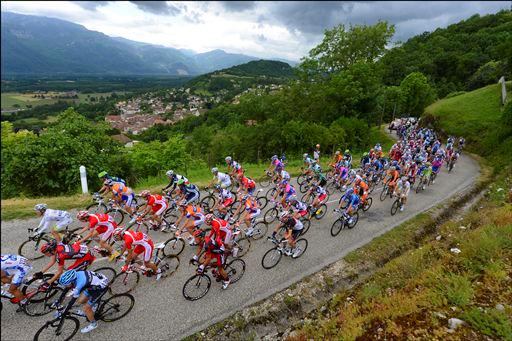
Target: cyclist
<point>365,161</point>
<point>378,150</point>
<point>248,185</point>
<point>251,211</point>
<point>277,164</point>
<point>353,205</point>
<point>155,203</point>
<point>14,269</point>
<point>59,253</point>
<point>402,190</point>
<point>194,218</point>
<point>188,193</point>
<point>391,177</point>
<point>173,180</point>
<point>294,228</point>
<point>61,219</point>
<point>101,227</point>
<point>215,245</point>
<point>320,196</point>
<point>222,178</point>
<point>225,200</point>
<point>122,195</point>
<point>347,157</point>
<point>361,188</point>
<point>299,208</point>
<point>336,159</point>
<point>142,243</point>
<point>436,166</point>
<point>88,287</point>
<point>233,167</point>
<point>316,154</point>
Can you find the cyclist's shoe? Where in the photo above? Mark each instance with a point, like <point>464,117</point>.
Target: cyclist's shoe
<point>79,312</point>
<point>296,251</point>
<point>58,314</point>
<point>287,252</point>
<point>401,209</point>
<point>90,327</point>
<point>113,256</point>
<point>235,251</point>
<point>159,274</point>
<point>192,242</point>
<point>249,232</point>
<point>225,284</point>
<point>336,210</point>
<point>200,269</point>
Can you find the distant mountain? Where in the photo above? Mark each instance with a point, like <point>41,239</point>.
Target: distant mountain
<point>42,46</point>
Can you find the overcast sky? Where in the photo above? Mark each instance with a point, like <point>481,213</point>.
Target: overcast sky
<point>262,29</point>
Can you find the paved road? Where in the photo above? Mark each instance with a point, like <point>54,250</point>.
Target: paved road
<point>161,312</point>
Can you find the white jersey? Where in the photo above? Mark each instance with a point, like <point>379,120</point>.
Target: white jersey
<point>225,194</point>
<point>224,178</point>
<point>285,175</point>
<point>60,218</point>
<point>12,263</point>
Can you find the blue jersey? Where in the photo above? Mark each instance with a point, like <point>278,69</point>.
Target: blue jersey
<point>354,200</point>
<point>116,179</point>
<point>88,280</point>
<point>377,164</point>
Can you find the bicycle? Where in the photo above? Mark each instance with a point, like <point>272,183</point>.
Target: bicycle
<point>272,214</point>
<point>273,256</point>
<point>30,249</point>
<point>125,282</point>
<point>306,223</point>
<point>198,285</point>
<point>422,183</point>
<point>268,178</point>
<point>386,191</point>
<point>66,325</point>
<point>344,221</point>
<point>397,204</point>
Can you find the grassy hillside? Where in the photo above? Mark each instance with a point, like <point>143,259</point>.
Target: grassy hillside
<point>477,116</point>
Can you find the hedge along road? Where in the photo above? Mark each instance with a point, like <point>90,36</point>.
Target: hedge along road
<point>162,313</point>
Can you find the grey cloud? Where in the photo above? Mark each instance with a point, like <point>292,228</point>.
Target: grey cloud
<point>157,7</point>
<point>261,37</point>
<point>238,6</point>
<point>91,5</point>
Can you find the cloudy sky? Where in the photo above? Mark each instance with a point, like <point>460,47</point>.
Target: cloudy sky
<point>285,29</point>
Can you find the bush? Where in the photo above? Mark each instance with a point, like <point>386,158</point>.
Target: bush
<point>491,322</point>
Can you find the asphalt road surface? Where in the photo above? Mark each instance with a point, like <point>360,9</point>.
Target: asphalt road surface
<point>162,313</point>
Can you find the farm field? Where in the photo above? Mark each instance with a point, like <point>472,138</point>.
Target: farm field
<point>11,100</point>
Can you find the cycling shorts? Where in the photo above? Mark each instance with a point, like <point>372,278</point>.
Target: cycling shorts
<point>128,200</point>
<point>146,248</point>
<point>192,197</point>
<point>251,190</point>
<point>322,197</point>
<point>94,294</point>
<point>225,185</point>
<point>105,231</point>
<point>159,209</point>
<point>228,202</point>
<point>296,234</point>
<point>254,214</point>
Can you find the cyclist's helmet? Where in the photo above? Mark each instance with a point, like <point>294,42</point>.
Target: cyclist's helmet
<point>169,173</point>
<point>347,151</point>
<point>49,247</point>
<point>216,187</point>
<point>82,215</point>
<point>145,193</point>
<point>67,277</point>
<point>305,155</point>
<point>337,152</point>
<point>358,179</point>
<point>118,233</point>
<point>228,159</point>
<point>394,163</point>
<point>180,182</point>
<point>108,182</point>
<point>208,218</point>
<point>41,207</point>
<point>349,191</point>
<point>273,158</point>
<point>245,197</point>
<point>102,174</point>
<point>283,216</point>
<point>377,145</point>
<point>215,170</point>
<point>366,153</point>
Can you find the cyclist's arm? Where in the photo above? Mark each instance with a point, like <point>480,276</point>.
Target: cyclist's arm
<point>91,234</point>
<point>59,272</point>
<point>49,265</point>
<point>43,225</point>
<point>177,223</point>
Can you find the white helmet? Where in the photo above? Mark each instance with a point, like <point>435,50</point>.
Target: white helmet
<point>169,173</point>
<point>305,155</point>
<point>215,170</point>
<point>228,158</point>
<point>40,207</point>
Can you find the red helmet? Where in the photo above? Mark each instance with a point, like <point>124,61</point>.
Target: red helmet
<point>49,247</point>
<point>82,215</point>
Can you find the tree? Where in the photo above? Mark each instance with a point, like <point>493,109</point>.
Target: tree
<point>417,93</point>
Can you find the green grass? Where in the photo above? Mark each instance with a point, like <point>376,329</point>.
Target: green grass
<point>9,99</point>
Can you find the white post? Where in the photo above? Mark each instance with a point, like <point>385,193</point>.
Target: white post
<point>83,179</point>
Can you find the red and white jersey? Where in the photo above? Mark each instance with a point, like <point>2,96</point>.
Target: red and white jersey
<point>135,238</point>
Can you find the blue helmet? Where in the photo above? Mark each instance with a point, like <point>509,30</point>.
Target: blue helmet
<point>67,277</point>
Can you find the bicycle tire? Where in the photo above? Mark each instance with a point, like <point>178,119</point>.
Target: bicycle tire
<point>235,269</point>
<point>394,207</point>
<point>271,215</point>
<point>355,219</point>
<point>244,245</point>
<point>337,226</point>
<point>171,265</point>
<point>301,178</point>
<point>303,188</point>
<point>260,230</point>
<point>54,324</point>
<point>40,303</point>
<point>345,203</point>
<point>199,279</point>
<point>419,188</point>
<point>26,245</point>
<point>384,193</point>
<point>124,282</point>
<point>34,283</point>
<point>307,225</point>
<point>117,215</point>
<point>270,193</point>
<point>275,257</point>
<point>208,202</point>
<point>304,247</point>
<point>367,204</point>
<point>98,208</point>
<point>262,202</point>
<point>265,182</point>
<point>323,210</point>
<point>173,247</point>
<point>109,305</point>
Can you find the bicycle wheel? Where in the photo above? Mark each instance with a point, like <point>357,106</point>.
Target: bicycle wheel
<point>330,188</point>
<point>33,283</point>
<point>207,203</point>
<point>307,224</point>
<point>420,186</point>
<point>115,307</point>
<point>355,219</point>
<point>110,273</point>
<point>303,188</point>
<point>62,329</point>
<point>40,303</point>
<point>367,204</point>
<point>384,193</point>
<point>235,269</point>
<point>301,178</point>
<point>270,193</point>
<point>96,208</point>
<point>271,215</point>
<point>243,244</point>
<point>30,248</point>
<point>173,247</point>
<point>170,217</point>
<point>196,287</point>
<point>124,282</point>
<point>321,211</point>
<point>233,209</point>
<point>260,230</point>
<point>344,204</point>
<point>262,202</point>
<point>117,215</point>
<point>394,207</point>
<point>337,226</point>
<point>169,265</point>
<point>271,258</point>
<point>300,247</point>
<point>307,199</point>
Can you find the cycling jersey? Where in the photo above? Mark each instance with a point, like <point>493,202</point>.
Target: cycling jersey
<point>354,200</point>
<point>92,284</point>
<point>141,242</point>
<point>252,208</point>
<point>249,184</point>
<point>103,223</point>
<point>74,251</point>
<point>115,179</point>
<point>60,218</point>
<point>190,191</point>
<point>124,193</point>
<point>300,207</point>
<point>16,266</point>
<point>158,204</point>
<point>403,187</point>
<point>278,165</point>
<point>174,180</point>
<point>289,190</point>
<point>285,175</point>
<point>222,232</point>
<point>223,179</point>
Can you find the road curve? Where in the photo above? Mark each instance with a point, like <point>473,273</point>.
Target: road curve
<point>161,312</point>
